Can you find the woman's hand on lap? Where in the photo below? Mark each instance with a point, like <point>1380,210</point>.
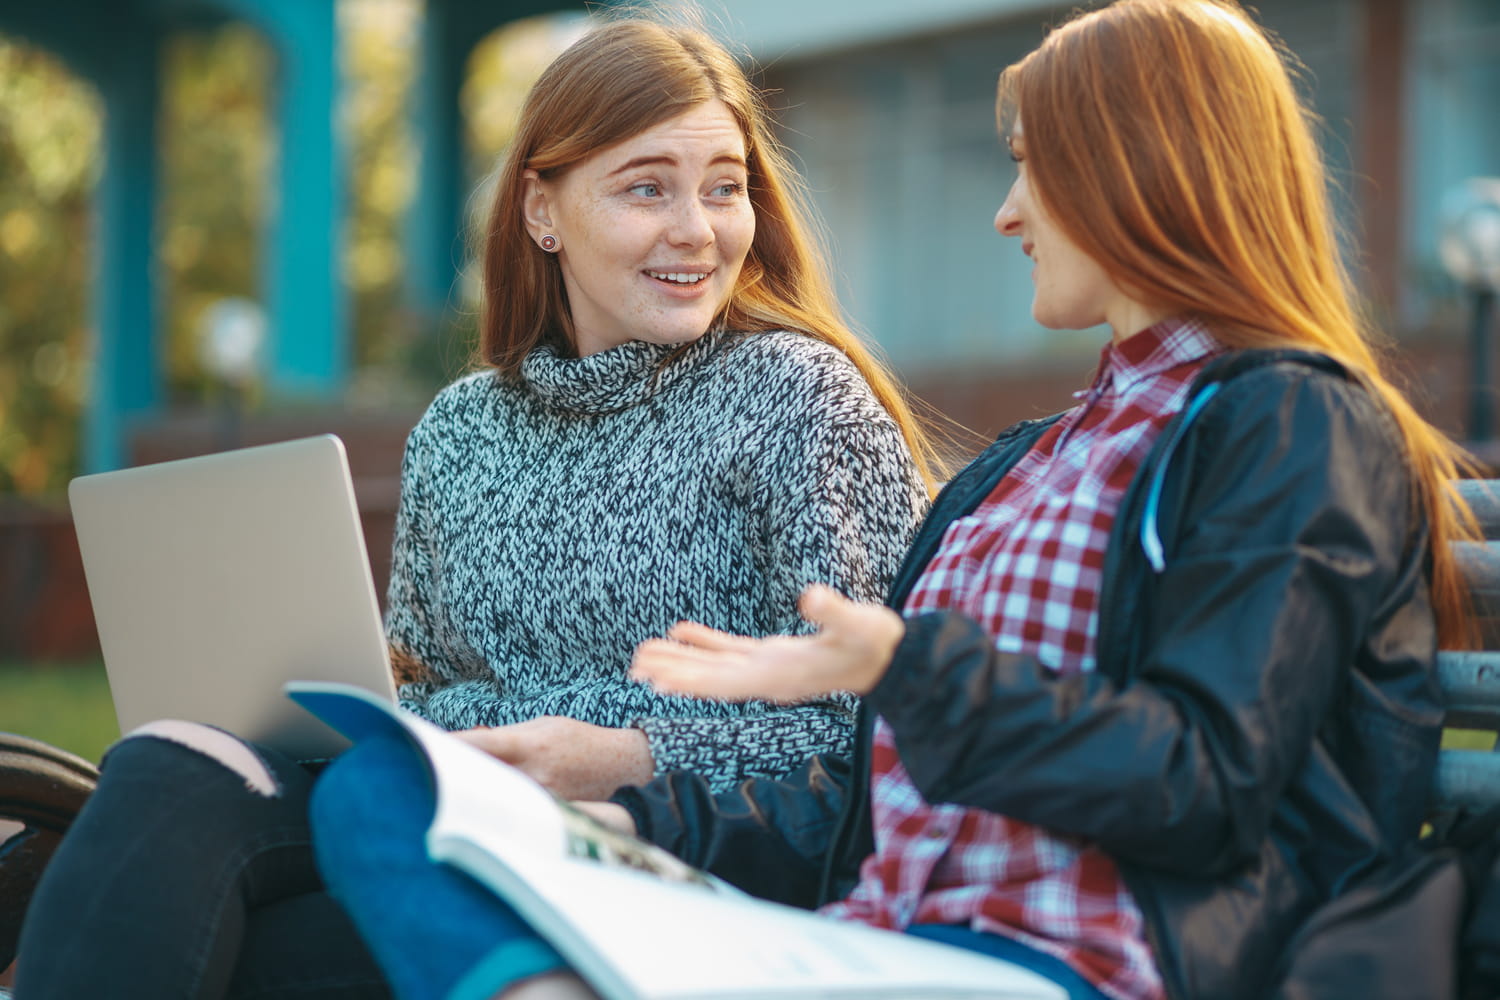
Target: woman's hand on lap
<point>616,817</point>
<point>576,760</point>
<point>849,652</point>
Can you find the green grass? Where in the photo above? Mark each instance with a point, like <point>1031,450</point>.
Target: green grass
<point>65,704</point>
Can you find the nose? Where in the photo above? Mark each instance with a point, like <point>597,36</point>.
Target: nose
<point>1008,219</point>
<point>691,225</point>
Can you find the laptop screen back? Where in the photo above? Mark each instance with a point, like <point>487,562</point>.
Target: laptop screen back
<point>215,580</point>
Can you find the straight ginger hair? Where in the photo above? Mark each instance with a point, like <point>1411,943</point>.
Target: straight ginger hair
<point>623,77</point>
<point>1166,138</point>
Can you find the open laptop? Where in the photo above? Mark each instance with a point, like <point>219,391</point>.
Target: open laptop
<point>217,579</point>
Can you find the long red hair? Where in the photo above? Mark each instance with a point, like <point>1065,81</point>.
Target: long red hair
<point>1167,137</point>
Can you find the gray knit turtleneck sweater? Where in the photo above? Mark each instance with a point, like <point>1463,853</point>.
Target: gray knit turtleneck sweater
<point>549,523</point>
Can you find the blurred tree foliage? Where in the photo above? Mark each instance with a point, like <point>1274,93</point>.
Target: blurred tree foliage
<point>401,358</point>
<point>218,141</point>
<point>216,145</point>
<point>50,124</point>
<point>501,70</point>
<point>379,56</point>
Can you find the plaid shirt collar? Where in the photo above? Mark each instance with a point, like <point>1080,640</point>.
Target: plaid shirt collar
<point>1158,348</point>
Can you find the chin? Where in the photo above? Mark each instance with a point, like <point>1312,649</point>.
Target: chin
<point>1063,321</point>
<point>1049,321</point>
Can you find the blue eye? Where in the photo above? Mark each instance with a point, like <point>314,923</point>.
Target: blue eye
<point>729,190</point>
<point>647,190</point>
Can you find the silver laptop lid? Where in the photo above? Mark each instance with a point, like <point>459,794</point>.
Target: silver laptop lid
<point>215,580</point>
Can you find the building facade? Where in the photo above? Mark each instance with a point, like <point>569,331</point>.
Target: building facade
<point>890,108</point>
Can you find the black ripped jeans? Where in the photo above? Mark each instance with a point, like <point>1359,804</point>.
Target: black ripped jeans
<point>179,881</point>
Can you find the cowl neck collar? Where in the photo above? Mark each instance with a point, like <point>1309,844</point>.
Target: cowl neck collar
<point>611,380</point>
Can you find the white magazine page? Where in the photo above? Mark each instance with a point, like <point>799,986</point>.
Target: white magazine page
<point>635,921</point>
<point>675,941</point>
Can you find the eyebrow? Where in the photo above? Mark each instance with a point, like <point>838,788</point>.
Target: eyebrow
<point>671,161</point>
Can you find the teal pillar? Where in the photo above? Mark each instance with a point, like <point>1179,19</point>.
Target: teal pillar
<point>435,237</point>
<point>302,278</point>
<point>306,311</point>
<point>119,55</point>
<point>126,363</point>
<point>435,221</point>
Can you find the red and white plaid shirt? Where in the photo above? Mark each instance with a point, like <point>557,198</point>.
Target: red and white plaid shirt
<point>1027,565</point>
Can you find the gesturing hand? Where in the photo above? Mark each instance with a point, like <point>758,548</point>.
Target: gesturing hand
<point>576,760</point>
<point>849,652</point>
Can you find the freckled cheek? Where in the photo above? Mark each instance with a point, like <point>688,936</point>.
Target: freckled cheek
<point>736,224</point>
<point>616,237</point>
<point>741,236</point>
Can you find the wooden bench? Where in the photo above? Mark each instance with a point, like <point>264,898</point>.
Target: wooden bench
<point>42,787</point>
<point>41,790</point>
<point>1469,778</point>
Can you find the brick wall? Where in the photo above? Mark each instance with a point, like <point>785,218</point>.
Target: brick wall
<point>44,606</point>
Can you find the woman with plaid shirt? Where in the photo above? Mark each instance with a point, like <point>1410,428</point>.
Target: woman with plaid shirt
<point>1155,682</point>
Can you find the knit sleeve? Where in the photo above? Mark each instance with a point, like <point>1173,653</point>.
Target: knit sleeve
<point>418,656</point>
<point>771,745</point>
<point>726,743</point>
<point>843,514</point>
<point>842,508</point>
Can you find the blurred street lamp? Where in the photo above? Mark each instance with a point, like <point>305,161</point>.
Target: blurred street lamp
<point>230,334</point>
<point>1469,246</point>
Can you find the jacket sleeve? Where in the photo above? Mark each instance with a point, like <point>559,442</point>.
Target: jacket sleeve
<point>1293,542</point>
<point>840,502</point>
<point>770,838</point>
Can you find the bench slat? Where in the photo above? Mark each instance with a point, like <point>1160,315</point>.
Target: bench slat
<point>1467,779</point>
<point>1483,498</point>
<point>1470,682</point>
<point>1479,562</point>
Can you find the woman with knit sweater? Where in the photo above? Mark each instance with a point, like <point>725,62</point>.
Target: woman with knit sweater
<point>671,421</point>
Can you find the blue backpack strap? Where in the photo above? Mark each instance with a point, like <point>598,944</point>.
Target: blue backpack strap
<point>1150,536</point>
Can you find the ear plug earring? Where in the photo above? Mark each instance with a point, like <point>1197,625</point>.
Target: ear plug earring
<point>548,242</point>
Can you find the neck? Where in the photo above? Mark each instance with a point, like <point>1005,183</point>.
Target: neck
<point>1130,318</point>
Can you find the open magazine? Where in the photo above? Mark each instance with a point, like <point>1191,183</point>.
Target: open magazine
<point>634,921</point>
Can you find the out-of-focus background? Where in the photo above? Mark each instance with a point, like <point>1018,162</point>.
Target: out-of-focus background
<point>224,222</point>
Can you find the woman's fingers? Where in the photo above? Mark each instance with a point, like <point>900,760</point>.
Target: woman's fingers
<point>820,604</point>
<point>731,674</point>
<point>840,618</point>
<point>493,740</point>
<point>694,634</point>
<point>849,652</point>
<point>700,680</point>
<point>819,601</point>
<point>662,652</point>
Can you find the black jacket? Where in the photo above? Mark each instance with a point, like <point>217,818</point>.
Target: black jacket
<point>1263,722</point>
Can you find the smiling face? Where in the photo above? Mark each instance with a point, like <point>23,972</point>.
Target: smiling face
<point>651,232</point>
<point>1071,291</point>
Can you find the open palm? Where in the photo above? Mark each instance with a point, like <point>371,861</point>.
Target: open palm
<point>849,652</point>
